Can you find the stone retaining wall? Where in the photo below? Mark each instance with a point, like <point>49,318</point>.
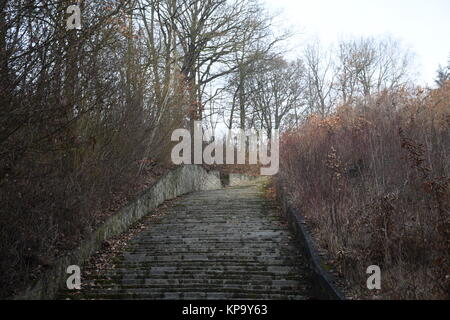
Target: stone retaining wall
<point>323,282</point>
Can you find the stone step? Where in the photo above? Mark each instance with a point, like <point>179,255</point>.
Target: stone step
<point>222,244</point>
<point>167,285</point>
<point>229,272</point>
<point>183,278</point>
<point>237,290</point>
<point>187,296</point>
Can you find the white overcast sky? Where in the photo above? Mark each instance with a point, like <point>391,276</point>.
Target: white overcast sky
<point>421,25</point>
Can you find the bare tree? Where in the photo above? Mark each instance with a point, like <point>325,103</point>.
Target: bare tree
<point>258,47</point>
<point>275,91</point>
<point>320,79</point>
<point>368,66</point>
<point>443,75</point>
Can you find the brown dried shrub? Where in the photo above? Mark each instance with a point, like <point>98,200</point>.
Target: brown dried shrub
<point>374,187</point>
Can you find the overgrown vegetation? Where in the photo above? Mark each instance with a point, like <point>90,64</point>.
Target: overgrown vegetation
<point>87,116</point>
<point>372,179</point>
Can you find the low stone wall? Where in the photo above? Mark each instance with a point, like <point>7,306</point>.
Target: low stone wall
<point>322,280</point>
<point>177,182</point>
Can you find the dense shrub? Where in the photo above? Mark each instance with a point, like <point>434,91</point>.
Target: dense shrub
<point>373,183</point>
<point>80,127</point>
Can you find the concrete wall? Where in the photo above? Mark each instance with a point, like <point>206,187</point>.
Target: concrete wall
<point>177,182</point>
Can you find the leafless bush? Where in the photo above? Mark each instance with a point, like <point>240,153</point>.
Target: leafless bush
<point>374,187</point>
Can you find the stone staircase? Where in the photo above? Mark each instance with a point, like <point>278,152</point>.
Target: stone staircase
<point>222,244</point>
